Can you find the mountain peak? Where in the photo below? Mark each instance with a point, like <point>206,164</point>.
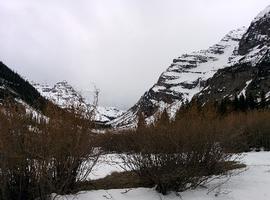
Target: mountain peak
<point>239,63</point>
<point>183,79</point>
<point>235,34</point>
<point>64,95</point>
<point>64,82</point>
<point>257,37</point>
<point>263,14</point>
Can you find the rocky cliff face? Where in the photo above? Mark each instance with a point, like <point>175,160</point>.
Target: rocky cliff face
<point>250,72</point>
<point>238,80</point>
<point>239,63</point>
<point>64,95</point>
<point>61,94</point>
<point>184,78</point>
<point>257,36</point>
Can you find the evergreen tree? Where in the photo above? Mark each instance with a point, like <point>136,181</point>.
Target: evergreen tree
<point>235,103</point>
<point>242,103</point>
<point>141,120</point>
<point>263,99</point>
<point>223,106</point>
<point>182,110</point>
<point>164,119</point>
<point>251,101</point>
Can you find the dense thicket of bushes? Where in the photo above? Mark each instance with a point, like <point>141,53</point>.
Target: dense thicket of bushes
<point>237,131</point>
<point>54,154</point>
<point>242,121</point>
<point>174,155</point>
<point>247,131</point>
<point>175,161</point>
<point>43,156</point>
<point>179,154</point>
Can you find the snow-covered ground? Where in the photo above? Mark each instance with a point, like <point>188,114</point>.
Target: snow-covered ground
<point>252,183</point>
<point>105,166</point>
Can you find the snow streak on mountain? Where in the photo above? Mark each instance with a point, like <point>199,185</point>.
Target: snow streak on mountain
<point>184,78</point>
<point>210,74</point>
<point>64,95</point>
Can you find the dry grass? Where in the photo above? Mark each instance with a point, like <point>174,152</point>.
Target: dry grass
<point>39,156</point>
<point>116,180</point>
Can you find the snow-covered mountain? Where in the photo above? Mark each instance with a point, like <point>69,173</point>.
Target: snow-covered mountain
<point>184,78</point>
<point>203,73</point>
<point>106,114</point>
<point>64,95</point>
<point>250,72</point>
<point>34,96</point>
<point>61,94</point>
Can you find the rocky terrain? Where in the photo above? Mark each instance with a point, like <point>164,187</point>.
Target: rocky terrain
<point>64,95</point>
<point>238,64</point>
<point>250,72</point>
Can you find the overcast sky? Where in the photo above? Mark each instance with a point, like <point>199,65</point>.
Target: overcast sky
<point>121,46</point>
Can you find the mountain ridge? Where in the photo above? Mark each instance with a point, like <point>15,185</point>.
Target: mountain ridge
<point>64,95</point>
<point>14,87</point>
<point>184,78</point>
<point>207,74</point>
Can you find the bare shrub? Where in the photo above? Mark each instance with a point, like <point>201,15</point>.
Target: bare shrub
<point>40,157</point>
<point>179,155</point>
<point>247,131</point>
<point>18,176</point>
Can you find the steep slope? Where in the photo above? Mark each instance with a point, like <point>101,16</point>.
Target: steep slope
<point>64,95</point>
<point>14,87</point>
<point>238,64</point>
<point>61,94</point>
<point>185,77</point>
<point>250,73</point>
<point>258,35</point>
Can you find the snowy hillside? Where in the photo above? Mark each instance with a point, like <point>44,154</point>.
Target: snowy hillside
<point>247,184</point>
<point>64,95</point>
<point>106,114</point>
<point>250,70</point>
<point>15,88</point>
<point>223,70</point>
<point>185,77</point>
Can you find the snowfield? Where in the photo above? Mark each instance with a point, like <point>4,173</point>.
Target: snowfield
<point>251,183</point>
<point>106,165</point>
